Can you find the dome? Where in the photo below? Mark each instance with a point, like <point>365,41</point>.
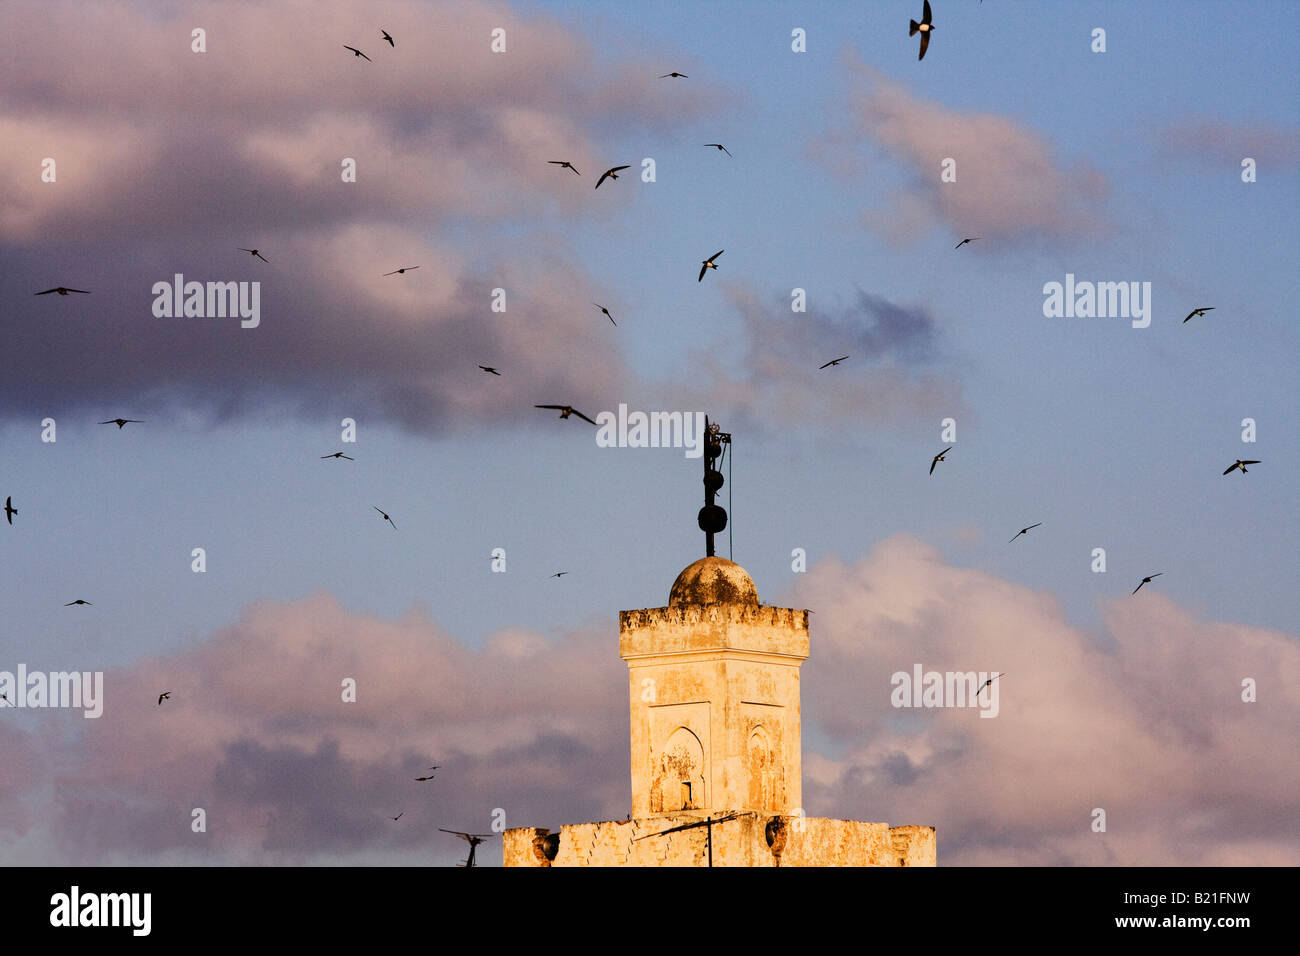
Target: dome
<point>713,581</point>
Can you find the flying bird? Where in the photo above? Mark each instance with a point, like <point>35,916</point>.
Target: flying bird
<point>605,310</point>
<point>566,411</point>
<point>10,510</point>
<point>78,601</point>
<point>422,779</point>
<point>611,173</point>
<point>387,37</point>
<point>558,573</point>
<point>473,839</point>
<point>435,766</point>
<point>338,454</point>
<point>63,290</point>
<point>709,264</point>
<point>489,368</point>
<point>165,695</point>
<point>1146,580</point>
<point>1240,464</point>
<point>1025,531</point>
<point>356,51</point>
<point>122,422</point>
<point>721,147</point>
<point>939,457</point>
<point>564,164</point>
<point>398,817</point>
<point>386,518</point>
<point>925,26</point>
<point>964,241</point>
<point>253,252</point>
<point>1208,308</point>
<point>989,681</point>
<point>674,73</point>
<point>398,272</point>
<point>832,362</point>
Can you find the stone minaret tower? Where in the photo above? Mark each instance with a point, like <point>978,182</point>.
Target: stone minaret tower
<point>713,682</point>
<point>713,686</point>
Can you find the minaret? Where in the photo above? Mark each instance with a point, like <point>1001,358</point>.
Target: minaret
<point>713,691</point>
<point>713,685</point>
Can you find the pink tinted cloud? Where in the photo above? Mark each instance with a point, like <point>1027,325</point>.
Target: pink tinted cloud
<point>1156,734</point>
<point>256,733</point>
<point>1011,185</point>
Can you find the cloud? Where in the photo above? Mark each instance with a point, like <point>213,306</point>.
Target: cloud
<point>1154,733</point>
<point>185,156</point>
<point>1010,187</point>
<point>256,733</point>
<point>1219,143</point>
<point>775,380</point>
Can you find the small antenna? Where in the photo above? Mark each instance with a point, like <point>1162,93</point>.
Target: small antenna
<point>712,518</point>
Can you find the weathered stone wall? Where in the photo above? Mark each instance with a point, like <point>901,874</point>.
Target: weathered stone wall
<point>754,840</point>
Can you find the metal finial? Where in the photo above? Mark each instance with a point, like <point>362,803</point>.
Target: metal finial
<point>712,518</point>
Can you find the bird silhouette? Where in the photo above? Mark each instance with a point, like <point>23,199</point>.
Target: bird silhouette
<point>1146,580</point>
<point>386,37</point>
<point>423,779</point>
<point>940,457</point>
<point>564,164</point>
<point>338,454</point>
<point>78,601</point>
<point>165,695</point>
<point>988,682</point>
<point>122,422</point>
<point>674,73</point>
<point>1240,464</point>
<point>709,264</point>
<point>605,310</point>
<point>253,252</point>
<point>1024,531</point>
<point>964,241</point>
<point>398,272</point>
<point>1208,308</point>
<point>386,518</point>
<point>490,369</point>
<point>356,52</point>
<point>721,147</point>
<point>832,362</point>
<point>63,290</point>
<point>473,839</point>
<point>611,173</point>
<point>398,817</point>
<point>558,573</point>
<point>925,26</point>
<point>10,510</point>
<point>566,411</point>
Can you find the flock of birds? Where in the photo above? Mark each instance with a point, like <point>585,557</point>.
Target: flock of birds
<point>925,27</point>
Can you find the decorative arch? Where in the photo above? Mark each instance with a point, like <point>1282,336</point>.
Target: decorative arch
<point>760,764</point>
<point>679,774</point>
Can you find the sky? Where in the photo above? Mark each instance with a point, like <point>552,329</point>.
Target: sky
<point>1170,159</point>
